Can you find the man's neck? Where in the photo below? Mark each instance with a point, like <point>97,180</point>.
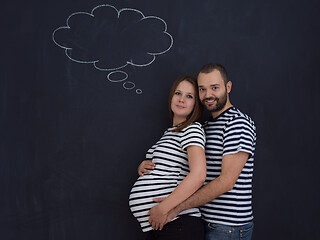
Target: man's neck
<point>216,114</point>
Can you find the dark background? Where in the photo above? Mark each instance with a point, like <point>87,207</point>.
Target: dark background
<point>71,140</point>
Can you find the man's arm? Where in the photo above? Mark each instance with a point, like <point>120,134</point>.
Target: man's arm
<point>231,168</point>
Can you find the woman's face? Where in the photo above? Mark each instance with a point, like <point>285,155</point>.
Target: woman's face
<point>183,101</point>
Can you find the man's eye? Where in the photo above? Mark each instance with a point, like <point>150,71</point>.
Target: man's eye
<point>201,89</point>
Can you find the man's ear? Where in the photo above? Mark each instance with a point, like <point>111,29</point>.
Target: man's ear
<point>229,86</point>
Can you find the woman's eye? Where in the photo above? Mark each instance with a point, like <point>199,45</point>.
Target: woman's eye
<point>177,93</point>
<point>189,96</point>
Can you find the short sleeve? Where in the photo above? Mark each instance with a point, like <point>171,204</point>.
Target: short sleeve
<point>239,136</point>
<point>193,135</point>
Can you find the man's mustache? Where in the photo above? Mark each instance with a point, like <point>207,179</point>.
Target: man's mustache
<point>208,99</point>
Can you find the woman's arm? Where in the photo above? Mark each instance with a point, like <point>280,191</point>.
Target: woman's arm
<point>191,183</point>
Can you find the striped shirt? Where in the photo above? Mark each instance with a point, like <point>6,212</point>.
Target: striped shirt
<point>170,157</point>
<point>231,132</point>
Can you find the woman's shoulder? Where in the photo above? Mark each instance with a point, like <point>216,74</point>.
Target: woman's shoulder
<point>193,135</point>
<point>193,126</point>
<point>196,124</point>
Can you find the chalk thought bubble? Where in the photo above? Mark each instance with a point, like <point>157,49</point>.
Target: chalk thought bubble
<point>112,39</point>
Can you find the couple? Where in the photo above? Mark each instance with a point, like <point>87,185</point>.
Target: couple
<point>186,156</point>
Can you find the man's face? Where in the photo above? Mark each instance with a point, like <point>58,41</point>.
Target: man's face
<point>213,92</point>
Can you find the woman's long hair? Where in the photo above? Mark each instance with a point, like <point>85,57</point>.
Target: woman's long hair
<point>196,114</point>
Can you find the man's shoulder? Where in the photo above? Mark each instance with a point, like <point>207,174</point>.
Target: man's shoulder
<point>237,115</point>
<point>242,121</point>
<point>233,116</point>
<point>230,114</point>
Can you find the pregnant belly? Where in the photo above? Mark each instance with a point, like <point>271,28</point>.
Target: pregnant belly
<point>145,189</point>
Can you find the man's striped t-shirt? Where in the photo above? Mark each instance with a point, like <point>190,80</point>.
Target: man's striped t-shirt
<point>231,132</point>
<point>170,157</point>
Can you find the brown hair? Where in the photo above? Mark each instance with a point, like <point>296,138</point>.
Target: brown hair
<point>196,114</point>
<point>210,67</point>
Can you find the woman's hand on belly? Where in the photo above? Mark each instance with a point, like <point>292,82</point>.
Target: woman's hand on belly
<point>145,167</point>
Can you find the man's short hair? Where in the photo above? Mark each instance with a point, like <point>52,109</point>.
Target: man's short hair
<point>210,67</point>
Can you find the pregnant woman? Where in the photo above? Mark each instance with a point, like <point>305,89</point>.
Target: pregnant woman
<point>175,167</point>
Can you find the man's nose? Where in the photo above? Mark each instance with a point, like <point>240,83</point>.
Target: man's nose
<point>208,94</point>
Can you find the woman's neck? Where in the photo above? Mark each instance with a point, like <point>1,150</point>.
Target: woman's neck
<point>176,120</point>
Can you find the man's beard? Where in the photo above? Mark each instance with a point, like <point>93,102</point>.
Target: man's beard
<point>220,103</point>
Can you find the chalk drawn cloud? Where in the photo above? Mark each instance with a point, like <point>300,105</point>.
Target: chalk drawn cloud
<point>112,39</point>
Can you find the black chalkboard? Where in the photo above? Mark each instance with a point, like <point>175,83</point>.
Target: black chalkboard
<point>84,90</point>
